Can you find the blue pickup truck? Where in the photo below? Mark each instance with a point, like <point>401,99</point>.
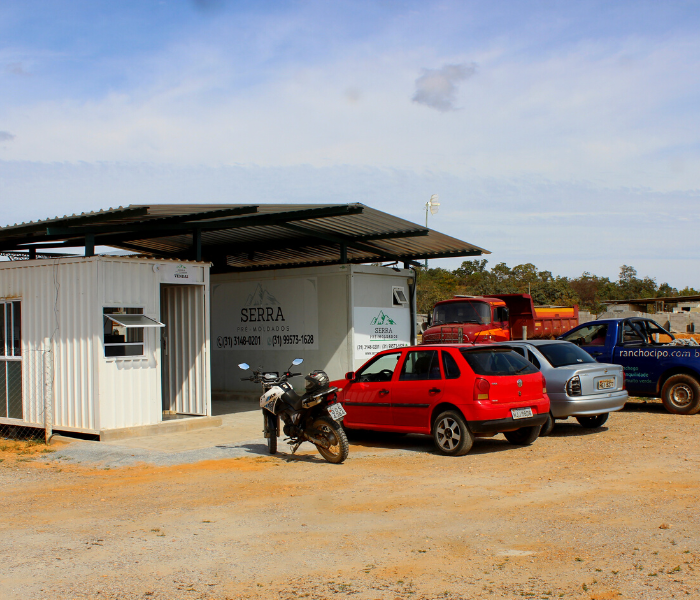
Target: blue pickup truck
<point>656,364</point>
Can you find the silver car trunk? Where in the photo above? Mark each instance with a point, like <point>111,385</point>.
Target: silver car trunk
<point>595,379</point>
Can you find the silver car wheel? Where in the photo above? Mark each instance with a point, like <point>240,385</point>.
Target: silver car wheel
<point>448,434</point>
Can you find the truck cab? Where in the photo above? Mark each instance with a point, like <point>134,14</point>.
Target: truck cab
<point>466,319</point>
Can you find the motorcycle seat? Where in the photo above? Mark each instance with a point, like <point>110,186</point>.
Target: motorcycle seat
<point>293,399</point>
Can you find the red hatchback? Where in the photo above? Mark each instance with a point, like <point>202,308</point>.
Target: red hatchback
<point>454,392</point>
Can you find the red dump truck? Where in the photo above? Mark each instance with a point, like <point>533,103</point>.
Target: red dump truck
<point>496,318</point>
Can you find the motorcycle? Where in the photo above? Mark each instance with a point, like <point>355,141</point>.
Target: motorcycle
<point>313,417</point>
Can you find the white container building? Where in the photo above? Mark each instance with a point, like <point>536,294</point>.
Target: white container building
<point>92,329</point>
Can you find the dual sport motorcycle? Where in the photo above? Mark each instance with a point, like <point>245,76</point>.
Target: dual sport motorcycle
<point>314,417</point>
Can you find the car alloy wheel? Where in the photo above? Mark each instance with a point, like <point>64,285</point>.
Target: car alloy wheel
<point>448,434</point>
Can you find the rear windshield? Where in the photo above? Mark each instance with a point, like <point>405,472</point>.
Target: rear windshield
<point>560,355</point>
<point>493,361</point>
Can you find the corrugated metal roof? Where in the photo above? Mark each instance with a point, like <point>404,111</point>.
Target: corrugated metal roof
<point>241,236</point>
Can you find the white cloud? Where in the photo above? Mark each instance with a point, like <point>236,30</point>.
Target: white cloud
<point>6,136</point>
<point>437,88</point>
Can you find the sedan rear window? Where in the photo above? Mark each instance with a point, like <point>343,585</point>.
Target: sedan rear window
<point>560,355</point>
<point>493,361</point>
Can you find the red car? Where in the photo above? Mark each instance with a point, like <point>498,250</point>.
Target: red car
<point>454,392</point>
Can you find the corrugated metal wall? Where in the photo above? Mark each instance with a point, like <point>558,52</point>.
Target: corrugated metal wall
<point>58,298</point>
<point>129,387</point>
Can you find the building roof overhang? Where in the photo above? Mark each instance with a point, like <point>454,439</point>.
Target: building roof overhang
<point>241,237</point>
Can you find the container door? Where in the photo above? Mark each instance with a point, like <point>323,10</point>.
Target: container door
<point>11,360</point>
<point>182,349</point>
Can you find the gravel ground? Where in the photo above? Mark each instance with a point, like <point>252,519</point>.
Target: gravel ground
<point>594,514</point>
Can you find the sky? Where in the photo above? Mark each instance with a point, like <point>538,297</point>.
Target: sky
<point>564,134</point>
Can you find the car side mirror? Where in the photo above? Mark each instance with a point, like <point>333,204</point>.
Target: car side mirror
<point>350,375</point>
<point>424,326</point>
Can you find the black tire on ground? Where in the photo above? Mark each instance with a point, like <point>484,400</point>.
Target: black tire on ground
<point>548,425</point>
<point>451,434</point>
<point>335,434</point>
<point>523,436</point>
<point>681,395</point>
<point>272,432</point>
<point>593,422</point>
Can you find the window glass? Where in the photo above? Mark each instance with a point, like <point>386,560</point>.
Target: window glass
<point>494,361</point>
<point>420,365</point>
<point>533,359</point>
<point>2,330</point>
<point>16,328</point>
<point>632,333</point>
<point>119,340</point>
<point>462,312</point>
<point>559,355</point>
<point>380,369</point>
<point>449,365</point>
<point>519,350</point>
<point>500,314</point>
<point>590,335</point>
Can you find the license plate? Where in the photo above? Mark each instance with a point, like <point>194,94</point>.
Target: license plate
<point>336,411</point>
<point>606,384</point>
<point>521,413</point>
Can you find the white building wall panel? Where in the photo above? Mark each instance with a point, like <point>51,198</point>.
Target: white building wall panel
<point>56,296</point>
<point>130,387</point>
<point>340,288</point>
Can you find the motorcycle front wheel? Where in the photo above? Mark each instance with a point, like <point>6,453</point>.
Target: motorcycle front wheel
<point>271,421</point>
<point>335,434</point>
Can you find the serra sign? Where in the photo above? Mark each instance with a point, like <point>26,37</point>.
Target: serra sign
<point>378,329</point>
<point>267,315</point>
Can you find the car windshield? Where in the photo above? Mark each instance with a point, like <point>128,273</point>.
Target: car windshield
<point>495,361</point>
<point>469,311</point>
<point>560,355</point>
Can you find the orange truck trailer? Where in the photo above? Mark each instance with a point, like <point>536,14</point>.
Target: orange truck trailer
<point>496,318</point>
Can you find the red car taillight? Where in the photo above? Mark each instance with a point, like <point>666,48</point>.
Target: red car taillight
<point>544,385</point>
<point>481,389</point>
<point>624,382</point>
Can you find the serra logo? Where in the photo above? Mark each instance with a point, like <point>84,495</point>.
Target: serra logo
<point>382,319</point>
<point>261,305</point>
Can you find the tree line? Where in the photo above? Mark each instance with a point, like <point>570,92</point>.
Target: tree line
<point>589,291</point>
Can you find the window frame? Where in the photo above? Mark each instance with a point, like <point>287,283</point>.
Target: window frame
<point>113,318</point>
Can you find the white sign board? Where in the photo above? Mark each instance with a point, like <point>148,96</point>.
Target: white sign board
<point>378,329</point>
<point>266,315</point>
<point>174,273</point>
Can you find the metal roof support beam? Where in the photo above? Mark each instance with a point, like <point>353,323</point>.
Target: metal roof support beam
<point>343,254</point>
<point>122,213</point>
<point>197,244</point>
<point>89,244</point>
<point>339,240</point>
<point>170,224</point>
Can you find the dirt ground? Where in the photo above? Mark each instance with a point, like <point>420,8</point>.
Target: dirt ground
<point>596,514</point>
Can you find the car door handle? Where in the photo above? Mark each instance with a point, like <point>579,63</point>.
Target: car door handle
<point>383,392</point>
<point>434,390</point>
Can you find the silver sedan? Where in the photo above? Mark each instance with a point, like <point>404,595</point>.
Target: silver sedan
<point>577,385</point>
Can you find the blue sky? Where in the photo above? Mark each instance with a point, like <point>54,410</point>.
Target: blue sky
<point>563,134</point>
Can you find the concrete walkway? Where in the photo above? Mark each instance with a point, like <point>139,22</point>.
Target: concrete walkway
<point>240,434</point>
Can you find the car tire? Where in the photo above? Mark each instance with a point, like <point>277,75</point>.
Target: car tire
<point>523,436</point>
<point>547,426</point>
<point>451,434</point>
<point>594,421</point>
<point>681,395</point>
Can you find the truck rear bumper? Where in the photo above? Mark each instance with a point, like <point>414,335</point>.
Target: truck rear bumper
<point>509,424</point>
<point>563,406</point>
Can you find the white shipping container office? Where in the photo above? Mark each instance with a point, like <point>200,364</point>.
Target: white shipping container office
<point>334,317</point>
<point>127,338</point>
